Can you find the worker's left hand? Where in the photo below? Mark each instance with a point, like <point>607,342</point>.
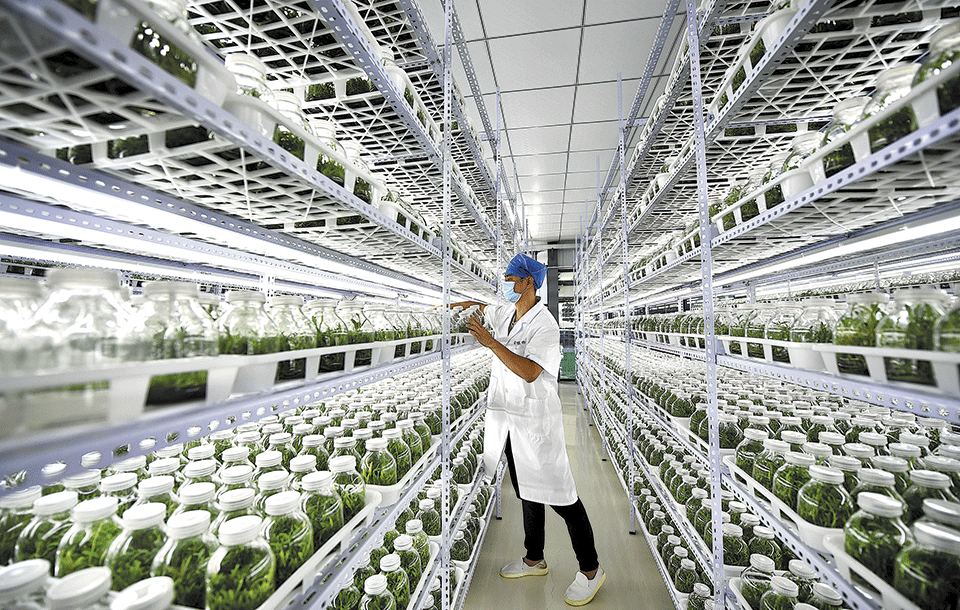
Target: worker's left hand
<point>477,329</point>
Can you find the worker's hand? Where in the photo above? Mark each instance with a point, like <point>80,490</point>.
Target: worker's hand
<point>476,328</point>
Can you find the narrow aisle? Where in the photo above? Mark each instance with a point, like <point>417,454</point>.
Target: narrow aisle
<point>633,580</point>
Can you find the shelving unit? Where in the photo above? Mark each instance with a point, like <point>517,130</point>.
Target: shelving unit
<point>684,160</point>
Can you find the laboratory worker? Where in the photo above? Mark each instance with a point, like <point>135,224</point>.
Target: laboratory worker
<point>524,420</point>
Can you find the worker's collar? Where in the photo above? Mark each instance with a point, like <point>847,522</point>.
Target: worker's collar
<point>526,315</point>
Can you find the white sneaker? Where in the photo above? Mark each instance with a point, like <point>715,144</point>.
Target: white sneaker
<point>583,589</point>
<point>519,569</point>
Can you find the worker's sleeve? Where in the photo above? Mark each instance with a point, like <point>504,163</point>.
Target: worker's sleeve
<point>492,315</point>
<point>544,347</point>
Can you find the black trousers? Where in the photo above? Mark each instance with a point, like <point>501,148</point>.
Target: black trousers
<point>534,524</point>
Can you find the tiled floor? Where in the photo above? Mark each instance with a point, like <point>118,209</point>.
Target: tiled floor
<point>633,580</point>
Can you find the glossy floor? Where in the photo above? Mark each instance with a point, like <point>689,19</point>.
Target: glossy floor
<point>633,580</point>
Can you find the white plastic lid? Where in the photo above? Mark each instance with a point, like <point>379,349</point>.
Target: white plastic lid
<point>203,468</point>
<point>95,509</point>
<point>891,463</point>
<point>830,438</point>
<point>79,590</point>
<point>732,529</point>
<point>872,438</point>
<point>236,499</point>
<point>904,450</point>
<point>272,480</point>
<point>164,466</point>
<point>879,504</point>
<point>362,434</point>
<point>282,503</point>
<point>762,563</point>
<point>316,480</point>
<point>826,474</point>
<point>784,586</point>
<point>377,444</point>
<point>425,504</point>
<point>245,296</point>
<point>118,482</point>
<point>268,459</point>
<point>817,449</point>
<point>763,532</point>
<point>929,478</point>
<point>344,442</point>
<point>776,445</point>
<point>240,530</point>
<point>942,511</point>
<point>302,429</point>
<point>313,440</point>
<point>392,433</point>
<point>142,516</point>
<point>22,578</point>
<point>21,499</point>
<point>343,463</point>
<point>800,569</point>
<point>914,439</point>
<point>755,435</point>
<point>235,454</point>
<point>197,493</point>
<point>286,299</point>
<point>859,450</point>
<point>793,437</point>
<point>52,471</point>
<point>248,437</point>
<point>150,594</point>
<point>280,438</point>
<point>376,584</point>
<point>875,476</point>
<point>58,502</point>
<point>687,564</point>
<point>156,485</point>
<point>188,524</point>
<point>800,459</point>
<point>941,463</point>
<point>64,277</point>
<point>845,463</point>
<point>390,563</point>
<point>232,475</point>
<point>414,526</point>
<point>201,452</point>
<point>403,542</point>
<point>131,464</point>
<point>303,463</point>
<point>701,589</point>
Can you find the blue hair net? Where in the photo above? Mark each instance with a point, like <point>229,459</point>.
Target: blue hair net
<point>522,266</point>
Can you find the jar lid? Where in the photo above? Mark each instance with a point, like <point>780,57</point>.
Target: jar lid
<point>282,503</point>
<point>58,502</point>
<point>79,590</point>
<point>142,516</point>
<point>784,586</point>
<point>188,524</point>
<point>269,459</point>
<point>905,71</point>
<point>302,429</point>
<point>732,529</point>
<point>875,476</point>
<point>801,569</point>
<point>164,466</point>
<point>200,452</point>
<point>73,277</point>
<point>172,288</point>
<point>344,442</point>
<point>393,433</point>
<point>21,499</point>
<point>687,564</point>
<point>941,464</point>
<point>950,451</point>
<point>197,493</point>
<point>280,438</point>
<point>22,578</point>
<point>414,526</point>
<point>234,475</point>
<point>275,479</point>
<point>247,437</point>
<point>793,437</point>
<point>845,463</point>
<point>748,519</point>
<point>52,471</point>
<point>930,478</point>
<point>904,450</point>
<point>236,499</point>
<point>459,535</point>
<point>762,563</point>
<point>830,438</point>
<point>849,105</point>
<point>95,509</point>
<point>232,60</point>
<point>426,504</point>
<point>21,286</point>
<point>376,584</point>
<point>246,296</point>
<point>698,493</point>
<point>826,474</point>
<point>271,428</point>
<point>118,482</point>
<point>796,458</point>
<point>775,445</point>
<point>377,444</point>
<point>390,563</point>
<point>859,450</point>
<point>673,539</point>
<point>150,594</point>
<point>942,511</point>
<point>130,464</point>
<point>313,440</point>
<point>948,437</point>
<point>458,461</point>
<point>240,530</point>
<point>285,300</point>
<point>891,463</point>
<point>303,463</point>
<point>316,480</point>
<point>879,504</point>
<point>755,435</point>
<point>827,593</point>
<point>701,589</point>
<point>203,468</point>
<point>817,449</point>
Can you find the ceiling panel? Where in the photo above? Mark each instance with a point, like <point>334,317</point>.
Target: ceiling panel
<point>539,140</point>
<point>541,164</point>
<point>484,72</point>
<point>544,209</point>
<point>537,108</point>
<point>602,12</point>
<point>536,60</point>
<point>582,180</point>
<point>587,161</point>
<point>602,56</point>
<point>598,101</point>
<point>578,196</point>
<point>593,136</point>
<point>466,11</point>
<point>508,18</point>
<point>534,184</point>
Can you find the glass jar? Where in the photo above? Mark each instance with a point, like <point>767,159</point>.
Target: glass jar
<point>815,323</point>
<point>288,105</point>
<point>184,557</point>
<point>409,558</point>
<point>383,329</point>
<point>731,434</point>
<point>241,572</point>
<point>413,440</point>
<point>686,576</point>
<point>22,584</point>
<point>944,52</point>
<point>414,529</point>
<point>763,313</point>
<point>251,76</point>
<point>947,466</point>
<point>735,551</point>
<point>87,589</point>
<point>755,580</point>
<point>376,596</point>
<point>359,330</point>
<point>428,517</point>
<point>19,299</point>
<point>781,596</point>
<point>778,328</point>
<point>85,544</point>
<point>301,466</point>
<point>348,484</point>
<point>84,322</point>
<point>296,332</point>
<point>288,531</point>
<point>910,453</point>
<point>41,535</point>
<point>802,146</point>
<point>876,441</point>
<point>846,114</point>
<point>850,467</point>
<point>825,597</point>
<point>858,327</point>
<point>764,542</point>
<point>460,549</point>
<point>123,487</point>
<point>749,449</point>
<point>132,552</point>
<point>804,577</point>
<point>699,598</point>
<point>15,514</point>
<point>202,471</point>
<point>928,572</point>
<point>823,501</point>
<point>925,484</point>
<point>911,326</point>
<point>875,534</point>
<point>323,506</point>
<point>282,442</point>
<point>398,584</point>
<point>892,84</point>
<point>399,450</point>
<point>793,475</point>
<point>247,329</point>
<point>769,461</point>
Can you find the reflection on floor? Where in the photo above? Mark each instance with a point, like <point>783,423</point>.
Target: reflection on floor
<point>633,580</point>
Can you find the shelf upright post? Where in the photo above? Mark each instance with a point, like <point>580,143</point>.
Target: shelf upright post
<point>628,367</point>
<point>604,381</point>
<point>499,231</point>
<point>446,536</point>
<point>706,273</point>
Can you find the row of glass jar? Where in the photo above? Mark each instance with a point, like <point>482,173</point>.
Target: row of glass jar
<point>81,317</point>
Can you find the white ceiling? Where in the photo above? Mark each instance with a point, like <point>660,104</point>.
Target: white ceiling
<point>556,63</point>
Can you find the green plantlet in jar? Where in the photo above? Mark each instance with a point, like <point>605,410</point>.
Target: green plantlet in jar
<point>857,329</point>
<point>348,599</point>
<point>291,541</point>
<point>326,516</point>
<point>896,126</point>
<point>739,78</point>
<point>927,577</point>
<point>399,585</point>
<point>358,86</point>
<point>379,471</point>
<point>353,496</point>
<point>824,505</point>
<point>787,482</point>
<point>244,581</point>
<point>753,590</point>
<point>875,543</point>
<point>186,564</point>
<point>777,602</point>
<point>401,455</point>
<point>161,51</point>
<point>132,563</point>
<point>735,551</point>
<point>917,335</point>
<point>86,550</point>
<point>332,169</point>
<point>40,539</point>
<point>684,581</point>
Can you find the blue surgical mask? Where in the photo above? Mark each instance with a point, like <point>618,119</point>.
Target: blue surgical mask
<point>508,292</point>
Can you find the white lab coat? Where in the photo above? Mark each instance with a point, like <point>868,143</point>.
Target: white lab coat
<point>529,412</point>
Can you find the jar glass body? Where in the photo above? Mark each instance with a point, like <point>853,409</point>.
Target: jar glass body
<point>240,577</point>
<point>892,85</point>
<point>378,467</point>
<point>824,504</point>
<point>927,576</point>
<point>352,491</point>
<point>944,52</point>
<point>131,555</point>
<point>40,536</point>
<point>325,510</point>
<point>814,324</point>
<point>85,545</point>
<point>874,541</point>
<point>290,537</point>
<point>910,326</point>
<point>754,584</point>
<point>858,326</point>
<point>246,329</point>
<point>185,561</point>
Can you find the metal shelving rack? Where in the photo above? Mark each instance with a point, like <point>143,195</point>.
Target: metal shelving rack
<point>684,132</point>
<point>154,213</point>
